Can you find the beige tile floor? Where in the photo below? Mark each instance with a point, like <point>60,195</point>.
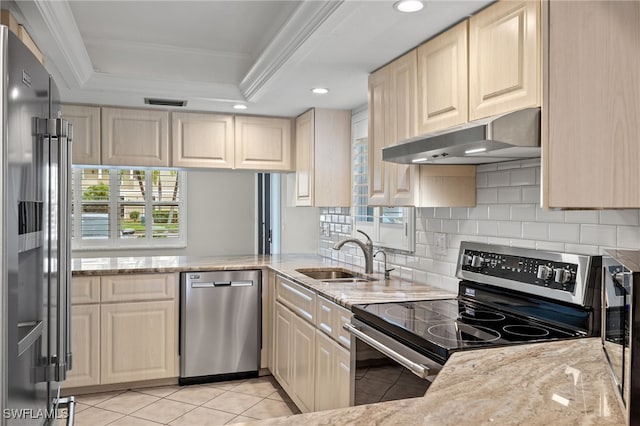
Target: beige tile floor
<point>195,405</point>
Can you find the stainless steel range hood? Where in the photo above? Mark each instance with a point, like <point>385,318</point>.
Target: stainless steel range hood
<point>506,137</point>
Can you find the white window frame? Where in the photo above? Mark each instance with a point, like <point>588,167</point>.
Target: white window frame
<point>113,242</point>
<point>399,237</point>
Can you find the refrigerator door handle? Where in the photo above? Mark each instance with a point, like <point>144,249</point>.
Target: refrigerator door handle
<point>63,131</point>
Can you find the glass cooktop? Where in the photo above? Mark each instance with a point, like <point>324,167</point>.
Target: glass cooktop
<point>440,327</point>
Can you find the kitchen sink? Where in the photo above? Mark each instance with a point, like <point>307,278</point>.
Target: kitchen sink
<point>334,275</point>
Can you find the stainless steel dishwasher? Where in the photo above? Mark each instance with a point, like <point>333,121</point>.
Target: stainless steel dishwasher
<point>220,325</point>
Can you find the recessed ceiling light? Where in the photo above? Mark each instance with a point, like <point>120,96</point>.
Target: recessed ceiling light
<point>320,90</point>
<point>240,106</point>
<point>408,6</point>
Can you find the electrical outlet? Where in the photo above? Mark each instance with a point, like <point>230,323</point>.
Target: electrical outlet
<point>441,244</point>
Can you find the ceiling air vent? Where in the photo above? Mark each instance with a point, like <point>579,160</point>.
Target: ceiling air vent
<point>165,102</point>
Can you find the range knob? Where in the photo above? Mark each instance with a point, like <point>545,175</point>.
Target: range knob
<point>544,272</point>
<point>561,276</point>
<point>466,259</point>
<point>477,261</point>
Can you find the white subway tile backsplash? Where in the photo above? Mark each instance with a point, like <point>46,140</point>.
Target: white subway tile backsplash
<point>581,216</point>
<point>564,232</point>
<point>479,212</point>
<point>459,213</point>
<point>628,237</point>
<point>545,215</point>
<point>450,226</point>
<point>486,167</point>
<point>434,225</point>
<point>488,227</point>
<point>582,249</point>
<point>510,229</point>
<point>598,235</point>
<point>510,195</point>
<point>531,194</point>
<point>498,178</point>
<point>482,179</point>
<point>443,213</point>
<point>499,212</point>
<point>535,230</point>
<point>523,212</point>
<point>521,177</point>
<point>550,246</point>
<point>487,195</point>
<point>619,217</point>
<point>507,212</point>
<point>510,165</point>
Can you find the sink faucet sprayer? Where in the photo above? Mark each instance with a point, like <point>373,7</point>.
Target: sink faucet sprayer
<point>367,249</point>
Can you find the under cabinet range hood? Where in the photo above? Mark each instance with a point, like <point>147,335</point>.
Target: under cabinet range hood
<point>511,136</point>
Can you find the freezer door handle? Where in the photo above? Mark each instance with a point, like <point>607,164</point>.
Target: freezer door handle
<point>70,403</point>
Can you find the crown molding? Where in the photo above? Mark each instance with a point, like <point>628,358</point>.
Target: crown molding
<point>62,27</point>
<point>306,19</point>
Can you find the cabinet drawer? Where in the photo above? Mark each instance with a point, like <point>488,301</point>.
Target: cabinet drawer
<point>130,288</point>
<point>85,290</point>
<point>300,300</point>
<point>330,317</point>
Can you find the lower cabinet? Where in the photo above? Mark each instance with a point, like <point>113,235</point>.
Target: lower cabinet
<point>311,359</point>
<point>85,326</point>
<point>132,340</point>
<point>138,341</point>
<point>294,357</point>
<point>332,374</point>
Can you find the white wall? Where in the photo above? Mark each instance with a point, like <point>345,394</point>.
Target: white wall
<point>298,225</point>
<point>221,217</point>
<point>507,213</point>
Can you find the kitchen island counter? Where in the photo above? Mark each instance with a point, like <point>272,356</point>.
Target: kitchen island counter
<point>343,293</point>
<point>565,382</point>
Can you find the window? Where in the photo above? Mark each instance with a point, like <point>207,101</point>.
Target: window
<point>390,227</point>
<point>127,208</point>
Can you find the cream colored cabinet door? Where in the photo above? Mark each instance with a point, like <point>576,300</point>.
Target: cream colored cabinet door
<point>591,152</point>
<point>85,325</point>
<point>135,137</point>
<point>333,376</point>
<point>305,132</point>
<point>282,346</point>
<point>86,132</point>
<point>442,81</point>
<point>139,341</point>
<point>262,143</point>
<point>401,122</point>
<point>202,140</point>
<point>378,99</point>
<point>504,58</point>
<point>323,158</point>
<point>303,363</point>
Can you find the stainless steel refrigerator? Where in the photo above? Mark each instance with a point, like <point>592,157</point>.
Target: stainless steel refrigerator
<point>34,232</point>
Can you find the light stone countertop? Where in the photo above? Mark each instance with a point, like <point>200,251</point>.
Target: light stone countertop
<point>564,382</point>
<point>557,383</point>
<point>343,293</point>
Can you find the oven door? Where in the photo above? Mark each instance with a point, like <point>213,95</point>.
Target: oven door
<point>384,369</point>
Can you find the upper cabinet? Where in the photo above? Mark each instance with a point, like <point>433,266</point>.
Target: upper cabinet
<point>504,58</point>
<point>135,137</point>
<point>262,143</point>
<point>202,140</point>
<point>393,117</point>
<point>442,80</point>
<point>323,158</point>
<point>86,132</point>
<point>591,148</point>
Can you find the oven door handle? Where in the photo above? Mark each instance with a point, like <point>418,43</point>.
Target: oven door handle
<point>419,370</point>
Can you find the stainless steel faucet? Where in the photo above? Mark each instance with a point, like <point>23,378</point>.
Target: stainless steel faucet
<point>367,249</point>
<point>386,271</point>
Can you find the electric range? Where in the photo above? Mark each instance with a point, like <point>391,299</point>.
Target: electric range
<point>506,296</point>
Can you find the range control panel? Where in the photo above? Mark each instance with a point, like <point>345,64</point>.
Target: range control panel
<point>540,272</point>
